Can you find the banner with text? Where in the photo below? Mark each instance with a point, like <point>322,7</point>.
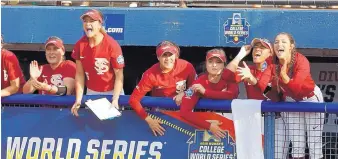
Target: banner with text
<point>50,133</point>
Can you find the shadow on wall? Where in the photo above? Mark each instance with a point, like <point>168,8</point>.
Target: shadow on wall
<point>138,59</point>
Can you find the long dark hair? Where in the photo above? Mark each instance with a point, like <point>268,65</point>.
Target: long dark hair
<point>292,63</point>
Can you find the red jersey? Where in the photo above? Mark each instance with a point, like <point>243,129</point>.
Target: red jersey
<point>264,78</point>
<point>301,83</point>
<point>162,84</point>
<point>99,61</point>
<point>55,77</point>
<point>10,69</point>
<point>221,90</point>
<point>229,75</point>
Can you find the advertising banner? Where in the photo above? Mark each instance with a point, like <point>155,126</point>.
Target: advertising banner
<point>51,133</point>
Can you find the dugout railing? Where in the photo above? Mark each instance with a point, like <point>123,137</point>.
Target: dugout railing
<point>270,111</point>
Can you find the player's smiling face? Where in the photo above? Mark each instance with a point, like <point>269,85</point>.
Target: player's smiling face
<point>260,53</point>
<point>54,54</point>
<point>282,46</point>
<point>90,26</point>
<point>214,66</point>
<point>167,60</point>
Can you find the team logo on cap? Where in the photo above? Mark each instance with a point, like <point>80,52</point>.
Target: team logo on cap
<point>236,29</point>
<point>90,13</point>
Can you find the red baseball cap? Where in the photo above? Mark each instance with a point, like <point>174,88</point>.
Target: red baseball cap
<point>265,42</point>
<point>55,41</point>
<point>166,48</point>
<point>94,14</point>
<point>216,53</point>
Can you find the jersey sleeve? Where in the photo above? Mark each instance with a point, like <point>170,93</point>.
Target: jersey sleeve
<point>76,51</point>
<point>145,85</point>
<point>231,92</point>
<point>264,80</point>
<point>192,75</point>
<point>301,72</point>
<point>117,59</point>
<point>189,102</point>
<point>69,70</point>
<point>229,76</point>
<point>13,67</point>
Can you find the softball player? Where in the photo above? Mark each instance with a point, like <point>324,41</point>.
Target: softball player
<point>99,60</point>
<point>168,78</point>
<point>210,85</point>
<point>12,78</point>
<point>257,80</point>
<point>58,72</point>
<point>295,82</point>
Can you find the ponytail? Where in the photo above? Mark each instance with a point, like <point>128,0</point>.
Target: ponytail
<point>102,30</point>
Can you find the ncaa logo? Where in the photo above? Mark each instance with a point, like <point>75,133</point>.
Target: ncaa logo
<point>236,29</point>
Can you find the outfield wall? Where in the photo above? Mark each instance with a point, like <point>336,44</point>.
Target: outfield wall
<point>187,27</point>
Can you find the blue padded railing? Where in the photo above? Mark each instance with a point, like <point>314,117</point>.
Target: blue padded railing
<point>168,103</point>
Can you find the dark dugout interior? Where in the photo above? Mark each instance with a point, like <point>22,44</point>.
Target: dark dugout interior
<point>140,58</point>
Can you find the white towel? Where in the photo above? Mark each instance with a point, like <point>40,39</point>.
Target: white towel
<point>247,120</point>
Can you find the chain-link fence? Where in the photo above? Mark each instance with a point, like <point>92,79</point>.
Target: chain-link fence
<point>306,134</point>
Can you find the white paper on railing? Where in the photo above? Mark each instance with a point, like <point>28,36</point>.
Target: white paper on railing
<point>247,120</point>
<point>102,109</point>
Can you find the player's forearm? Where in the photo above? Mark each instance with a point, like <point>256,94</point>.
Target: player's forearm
<point>252,80</point>
<point>191,117</point>
<point>118,86</point>
<point>138,108</point>
<point>28,87</point>
<point>186,108</point>
<point>232,66</point>
<point>12,89</point>
<point>9,90</point>
<point>70,84</point>
<point>285,78</point>
<point>79,85</point>
<point>51,89</point>
<point>227,95</point>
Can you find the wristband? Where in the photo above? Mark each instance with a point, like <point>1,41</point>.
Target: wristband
<point>62,90</point>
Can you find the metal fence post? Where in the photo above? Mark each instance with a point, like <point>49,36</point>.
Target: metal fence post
<point>269,135</point>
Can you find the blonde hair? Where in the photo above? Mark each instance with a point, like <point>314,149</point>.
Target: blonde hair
<point>102,30</point>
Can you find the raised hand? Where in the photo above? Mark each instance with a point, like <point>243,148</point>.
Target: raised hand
<point>34,70</point>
